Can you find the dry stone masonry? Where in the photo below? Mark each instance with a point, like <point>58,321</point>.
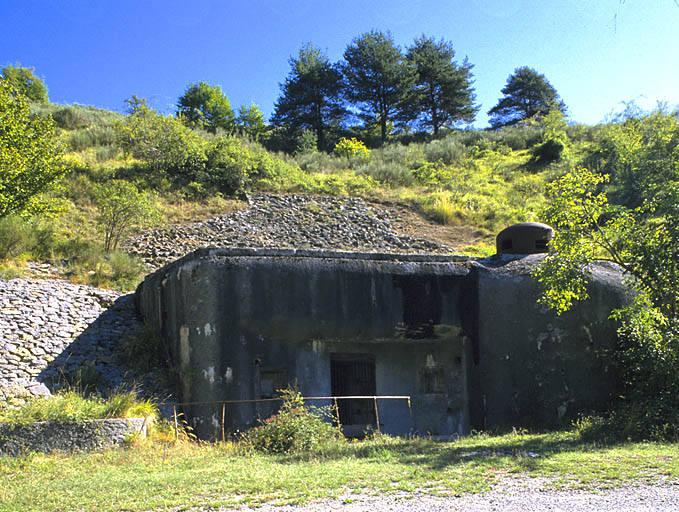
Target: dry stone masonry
<point>51,329</point>
<point>55,436</point>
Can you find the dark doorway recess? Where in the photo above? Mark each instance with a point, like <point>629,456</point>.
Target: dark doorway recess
<point>354,375</point>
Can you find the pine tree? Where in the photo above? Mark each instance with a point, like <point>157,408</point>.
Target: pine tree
<point>527,94</point>
<point>311,95</point>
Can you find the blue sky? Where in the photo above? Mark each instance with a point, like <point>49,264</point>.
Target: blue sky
<point>596,53</point>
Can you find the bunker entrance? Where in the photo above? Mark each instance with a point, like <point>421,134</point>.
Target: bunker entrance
<point>354,375</point>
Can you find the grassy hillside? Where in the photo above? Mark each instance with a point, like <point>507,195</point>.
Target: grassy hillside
<point>483,180</point>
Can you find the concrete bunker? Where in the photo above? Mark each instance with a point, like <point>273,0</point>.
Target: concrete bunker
<point>464,338</point>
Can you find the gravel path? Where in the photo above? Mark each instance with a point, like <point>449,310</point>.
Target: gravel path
<point>516,495</point>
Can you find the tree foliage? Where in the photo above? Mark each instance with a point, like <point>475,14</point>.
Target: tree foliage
<point>25,81</point>
<point>250,121</point>
<point>311,95</point>
<point>206,106</point>
<point>30,158</point>
<point>443,90</point>
<point>121,207</point>
<point>641,154</point>
<point>527,94</point>
<point>644,241</point>
<point>162,142</point>
<point>378,79</point>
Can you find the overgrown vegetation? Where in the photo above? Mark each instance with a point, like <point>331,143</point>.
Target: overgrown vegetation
<point>294,428</point>
<point>639,166</point>
<point>72,405</point>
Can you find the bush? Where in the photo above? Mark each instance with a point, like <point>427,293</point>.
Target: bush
<point>295,428</point>
<point>353,150</point>
<point>307,142</point>
<point>392,174</point>
<point>144,352</point>
<point>121,206</point>
<point>69,119</point>
<point>15,236</point>
<point>549,151</point>
<point>125,267</point>
<point>448,150</point>
<point>95,136</point>
<point>433,174</point>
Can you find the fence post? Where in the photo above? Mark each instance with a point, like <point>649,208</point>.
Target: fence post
<point>176,429</point>
<point>336,411</point>
<point>377,415</point>
<point>412,421</point>
<point>223,411</point>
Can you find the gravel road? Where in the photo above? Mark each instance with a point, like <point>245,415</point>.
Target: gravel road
<point>515,495</point>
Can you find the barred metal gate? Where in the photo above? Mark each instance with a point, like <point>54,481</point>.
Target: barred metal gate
<point>351,376</point>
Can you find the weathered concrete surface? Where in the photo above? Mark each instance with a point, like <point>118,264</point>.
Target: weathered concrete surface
<point>530,365</point>
<point>57,436</point>
<point>463,338</point>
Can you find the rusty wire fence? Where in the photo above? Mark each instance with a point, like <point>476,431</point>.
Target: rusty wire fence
<point>332,399</point>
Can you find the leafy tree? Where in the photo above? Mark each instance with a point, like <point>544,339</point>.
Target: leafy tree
<point>161,142</point>
<point>378,79</point>
<point>443,90</point>
<point>30,158</point>
<point>645,242</point>
<point>641,154</point>
<point>205,106</point>
<point>311,95</point>
<point>527,94</point>
<point>250,121</point>
<point>25,81</point>
<point>121,207</point>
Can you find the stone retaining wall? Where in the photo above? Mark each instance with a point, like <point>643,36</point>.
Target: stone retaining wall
<point>54,436</point>
<point>51,329</point>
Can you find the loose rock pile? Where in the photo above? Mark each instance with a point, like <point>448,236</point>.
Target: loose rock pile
<point>286,221</point>
<point>50,330</point>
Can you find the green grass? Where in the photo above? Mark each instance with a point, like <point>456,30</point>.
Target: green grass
<point>160,475</point>
<point>74,406</point>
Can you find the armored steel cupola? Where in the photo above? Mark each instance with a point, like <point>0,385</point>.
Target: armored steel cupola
<point>524,238</point>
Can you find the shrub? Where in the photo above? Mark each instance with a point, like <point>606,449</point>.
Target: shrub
<point>144,351</point>
<point>353,150</point>
<point>549,151</point>
<point>307,142</point>
<point>30,157</point>
<point>44,240</point>
<point>15,236</point>
<point>433,174</point>
<point>125,267</point>
<point>163,143</point>
<point>121,206</point>
<point>294,428</point>
<point>69,118</point>
<point>448,150</point>
<point>94,136</point>
<point>229,165</point>
<point>392,174</point>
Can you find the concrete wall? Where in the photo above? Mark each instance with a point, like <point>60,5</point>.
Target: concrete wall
<point>464,339</point>
<point>533,366</point>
